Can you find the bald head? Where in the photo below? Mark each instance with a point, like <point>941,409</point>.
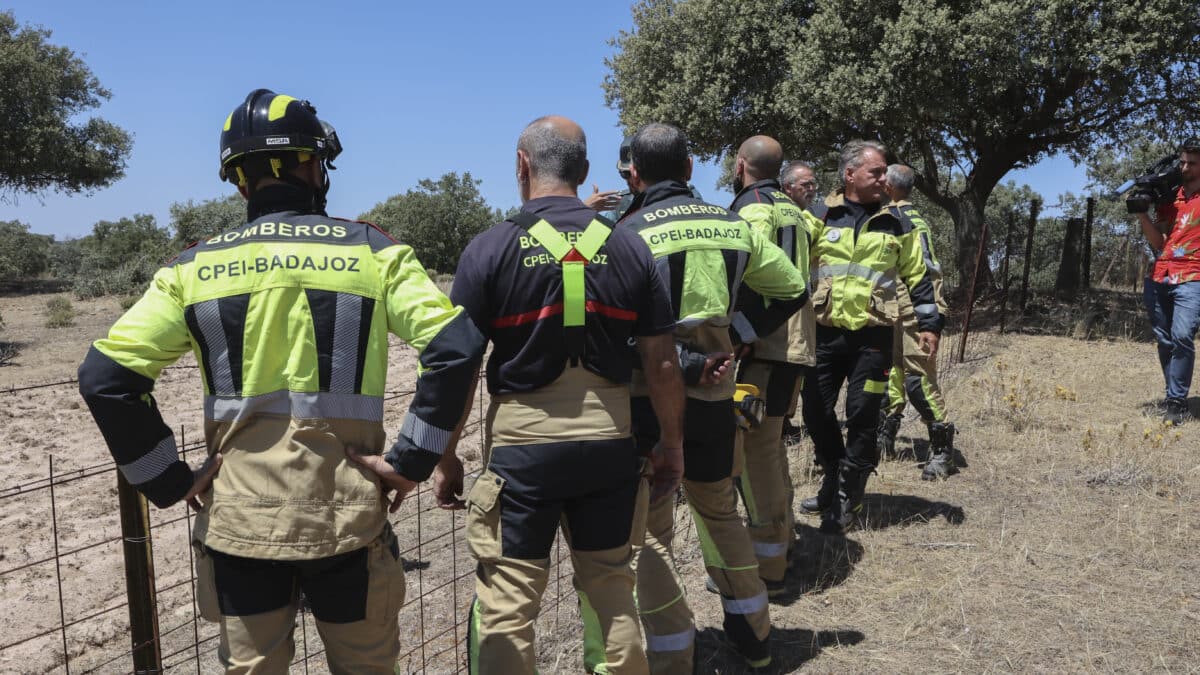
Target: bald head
<point>556,149</point>
<point>900,179</point>
<point>763,156</point>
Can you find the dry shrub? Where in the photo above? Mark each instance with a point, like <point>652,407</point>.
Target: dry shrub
<point>60,313</point>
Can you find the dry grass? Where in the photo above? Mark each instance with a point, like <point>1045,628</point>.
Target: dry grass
<point>1070,542</point>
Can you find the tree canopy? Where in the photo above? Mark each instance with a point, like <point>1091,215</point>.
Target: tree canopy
<point>22,253</point>
<point>964,91</point>
<point>193,222</point>
<point>44,88</point>
<point>437,218</point>
<point>118,257</point>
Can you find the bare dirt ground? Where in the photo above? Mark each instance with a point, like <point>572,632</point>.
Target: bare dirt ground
<point>1069,542</point>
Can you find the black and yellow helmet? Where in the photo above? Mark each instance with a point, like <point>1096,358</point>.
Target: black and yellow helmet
<point>273,132</point>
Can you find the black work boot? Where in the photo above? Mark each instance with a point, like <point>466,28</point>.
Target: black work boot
<point>941,452</point>
<point>815,506</point>
<point>840,516</point>
<point>885,436</point>
<point>1175,411</point>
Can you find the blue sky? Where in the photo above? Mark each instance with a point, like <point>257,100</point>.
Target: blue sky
<point>415,89</point>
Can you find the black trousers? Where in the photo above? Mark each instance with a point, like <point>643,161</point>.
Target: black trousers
<point>861,359</point>
<point>592,484</point>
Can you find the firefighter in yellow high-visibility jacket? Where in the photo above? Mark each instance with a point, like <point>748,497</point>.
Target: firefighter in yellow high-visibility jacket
<point>914,372</point>
<point>289,316</point>
<point>859,254</point>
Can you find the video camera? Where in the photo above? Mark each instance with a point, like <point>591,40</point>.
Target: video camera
<point>1160,182</point>
<point>1156,187</point>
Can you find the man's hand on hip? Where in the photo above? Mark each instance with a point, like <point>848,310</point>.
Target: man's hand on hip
<point>388,478</point>
<point>202,479</point>
<point>928,341</point>
<point>448,483</point>
<point>668,471</point>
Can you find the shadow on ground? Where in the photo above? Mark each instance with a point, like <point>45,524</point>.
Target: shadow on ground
<point>883,511</point>
<point>413,565</point>
<point>819,562</point>
<point>791,648</point>
<point>1155,408</point>
<point>9,352</point>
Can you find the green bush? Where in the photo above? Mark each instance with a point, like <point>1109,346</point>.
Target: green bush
<point>120,258</point>
<point>61,313</point>
<point>23,255</point>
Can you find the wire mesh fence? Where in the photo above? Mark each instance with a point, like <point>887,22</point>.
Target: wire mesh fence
<point>84,624</point>
<point>66,607</point>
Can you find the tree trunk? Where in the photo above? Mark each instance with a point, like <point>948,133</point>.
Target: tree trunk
<point>1067,281</point>
<point>967,212</point>
<point>1113,261</point>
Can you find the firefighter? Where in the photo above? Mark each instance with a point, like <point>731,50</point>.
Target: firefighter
<point>705,252</point>
<point>914,372</point>
<point>288,317</point>
<point>560,294</point>
<point>775,362</point>
<point>860,253</point>
<point>799,182</point>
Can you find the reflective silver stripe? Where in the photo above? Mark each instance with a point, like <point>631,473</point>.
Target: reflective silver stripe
<point>927,252</point>
<point>880,279</point>
<point>742,325</point>
<point>345,343</point>
<point>738,273</point>
<point>764,549</point>
<point>208,316</point>
<point>424,434</point>
<point>745,605</point>
<point>927,309</point>
<point>152,464</point>
<point>673,642</point>
<point>296,404</point>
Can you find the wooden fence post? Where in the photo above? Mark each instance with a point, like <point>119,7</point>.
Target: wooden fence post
<point>139,579</point>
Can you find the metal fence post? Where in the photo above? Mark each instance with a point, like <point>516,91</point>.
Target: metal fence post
<point>139,579</point>
<point>1004,269</point>
<point>962,340</point>
<point>1035,207</point>
<point>1087,242</point>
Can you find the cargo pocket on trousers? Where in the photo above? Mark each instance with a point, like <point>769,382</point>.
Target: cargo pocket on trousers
<point>385,578</point>
<point>206,584</point>
<point>641,508</point>
<point>483,517</point>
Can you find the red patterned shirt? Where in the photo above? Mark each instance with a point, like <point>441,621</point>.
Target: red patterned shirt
<point>1180,258</point>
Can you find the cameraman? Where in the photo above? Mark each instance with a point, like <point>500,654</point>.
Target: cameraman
<point>1176,274</point>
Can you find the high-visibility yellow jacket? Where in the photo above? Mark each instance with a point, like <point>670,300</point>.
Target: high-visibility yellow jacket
<point>706,253</point>
<point>773,214</point>
<point>859,257</point>
<point>288,317</point>
<point>925,236</point>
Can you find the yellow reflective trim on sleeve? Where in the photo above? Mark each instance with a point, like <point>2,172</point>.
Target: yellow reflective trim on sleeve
<point>278,107</point>
<point>875,386</point>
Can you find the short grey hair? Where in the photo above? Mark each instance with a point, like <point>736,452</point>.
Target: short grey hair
<point>901,177</point>
<point>852,155</point>
<point>787,176</point>
<point>552,155</point>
